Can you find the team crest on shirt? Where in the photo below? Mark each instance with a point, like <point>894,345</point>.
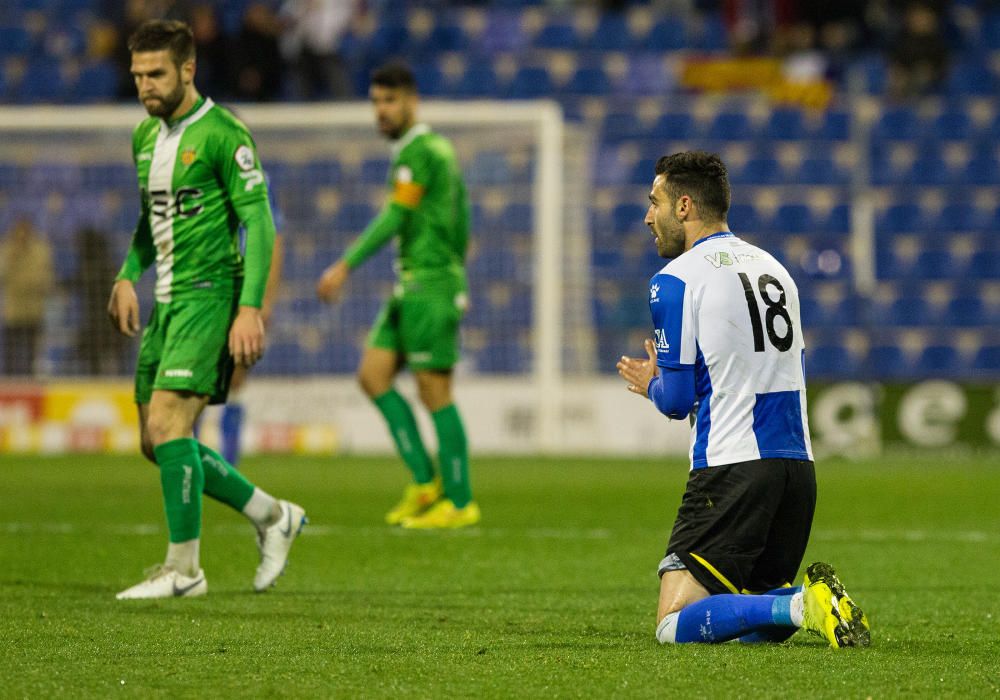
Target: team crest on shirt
<point>188,156</point>
<point>244,158</point>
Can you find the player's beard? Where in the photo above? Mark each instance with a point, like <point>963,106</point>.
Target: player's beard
<point>669,243</point>
<point>168,104</point>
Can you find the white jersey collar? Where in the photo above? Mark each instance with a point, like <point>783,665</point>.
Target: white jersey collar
<point>191,118</point>
<point>414,131</point>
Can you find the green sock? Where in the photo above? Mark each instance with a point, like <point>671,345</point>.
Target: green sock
<point>223,481</point>
<point>182,478</point>
<point>453,451</point>
<point>403,427</point>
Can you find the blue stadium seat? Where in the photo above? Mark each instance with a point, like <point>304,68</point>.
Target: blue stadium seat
<point>374,170</point>
<point>622,126</point>
<point>970,77</point>
<point>763,170</point>
<point>430,80</point>
<point>324,172</point>
<point>612,33</point>
<point>668,34</point>
<point>987,360</point>
<point>643,171</point>
<point>15,41</point>
<point>675,126</point>
<point>628,217</point>
<point>353,217</point>
<point>820,169</point>
<point>835,126</point>
<point>906,312</point>
<point>479,80</point>
<point>897,124</point>
<point>829,362</point>
<point>557,34</point>
<point>793,218</point>
<point>785,123</point>
<point>952,124</point>
<point>488,168</point>
<point>966,312</point>
<point>517,217</point>
<point>886,362</point>
<point>730,126</point>
<point>743,217</point>
<point>529,83</point>
<point>589,81</point>
<point>503,32</point>
<point>983,169</point>
<point>984,265</point>
<point>939,361</point>
<point>504,355</point>
<point>903,217</point>
<point>936,264</point>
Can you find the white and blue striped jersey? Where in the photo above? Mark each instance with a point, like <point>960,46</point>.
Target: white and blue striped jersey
<point>731,311</point>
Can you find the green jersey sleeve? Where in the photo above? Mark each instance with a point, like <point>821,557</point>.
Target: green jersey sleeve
<point>241,175</point>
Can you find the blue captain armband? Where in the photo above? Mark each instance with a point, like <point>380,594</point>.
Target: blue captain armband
<point>672,391</point>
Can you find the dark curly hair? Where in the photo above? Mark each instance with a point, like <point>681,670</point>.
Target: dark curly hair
<point>702,177</point>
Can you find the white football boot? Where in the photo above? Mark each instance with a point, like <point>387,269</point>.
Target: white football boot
<point>164,582</point>
<point>274,543</point>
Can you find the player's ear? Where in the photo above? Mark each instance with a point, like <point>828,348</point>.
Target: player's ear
<point>683,207</point>
<point>187,72</point>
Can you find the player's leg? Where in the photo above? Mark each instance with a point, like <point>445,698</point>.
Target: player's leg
<point>231,418</point>
<point>721,527</point>
<point>429,328</point>
<point>380,363</point>
<point>688,612</point>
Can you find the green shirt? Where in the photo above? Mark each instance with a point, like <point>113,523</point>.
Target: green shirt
<point>200,177</point>
<point>428,209</point>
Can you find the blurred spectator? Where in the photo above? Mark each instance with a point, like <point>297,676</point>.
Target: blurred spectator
<point>98,348</point>
<point>256,59</point>
<point>26,278</point>
<point>211,52</point>
<point>918,57</point>
<point>310,42</point>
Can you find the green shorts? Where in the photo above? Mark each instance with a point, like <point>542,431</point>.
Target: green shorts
<point>185,347</point>
<point>421,324</point>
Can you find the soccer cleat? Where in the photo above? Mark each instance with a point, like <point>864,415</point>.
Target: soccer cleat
<point>274,543</point>
<point>829,612</point>
<point>165,582</point>
<point>417,498</point>
<point>444,515</point>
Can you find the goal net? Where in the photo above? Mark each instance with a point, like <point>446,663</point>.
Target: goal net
<point>69,172</point>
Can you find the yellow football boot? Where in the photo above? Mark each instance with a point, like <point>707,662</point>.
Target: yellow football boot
<point>829,612</point>
<point>444,515</point>
<point>417,498</point>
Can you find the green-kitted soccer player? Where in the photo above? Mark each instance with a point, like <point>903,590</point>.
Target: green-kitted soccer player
<point>200,179</point>
<point>428,210</point>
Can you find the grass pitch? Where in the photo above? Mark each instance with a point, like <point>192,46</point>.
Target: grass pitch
<point>554,594</point>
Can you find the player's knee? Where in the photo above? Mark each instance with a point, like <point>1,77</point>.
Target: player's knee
<point>162,427</point>
<point>666,631</point>
<point>146,445</point>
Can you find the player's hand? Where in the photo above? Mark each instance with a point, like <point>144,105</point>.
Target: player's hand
<point>246,337</point>
<point>639,371</point>
<point>331,282</point>
<point>123,308</point>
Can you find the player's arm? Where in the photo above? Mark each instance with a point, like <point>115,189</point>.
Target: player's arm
<point>409,185</point>
<point>666,374</point>
<point>247,189</point>
<point>123,307</point>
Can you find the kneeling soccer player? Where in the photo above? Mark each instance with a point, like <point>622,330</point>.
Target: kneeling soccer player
<point>729,349</point>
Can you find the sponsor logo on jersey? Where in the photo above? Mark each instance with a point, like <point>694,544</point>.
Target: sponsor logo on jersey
<point>661,340</point>
<point>244,158</point>
<point>719,259</point>
<point>178,373</point>
<point>404,174</point>
<point>188,156</point>
<point>654,289</point>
